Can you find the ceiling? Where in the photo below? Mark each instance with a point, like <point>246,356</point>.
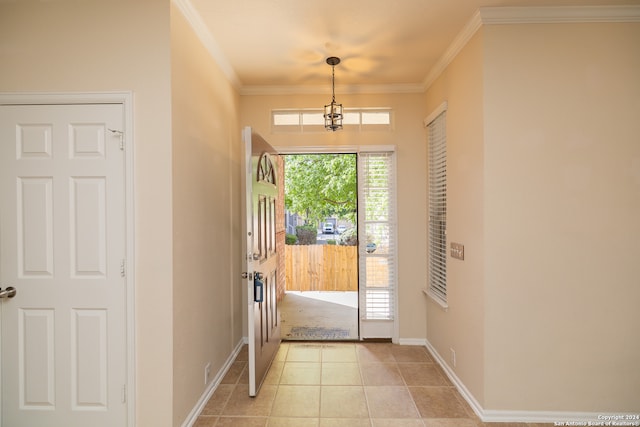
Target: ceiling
<point>285,43</point>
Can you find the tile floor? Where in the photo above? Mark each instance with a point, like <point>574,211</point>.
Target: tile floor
<point>342,384</point>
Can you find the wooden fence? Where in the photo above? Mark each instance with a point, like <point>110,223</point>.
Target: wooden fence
<point>321,268</point>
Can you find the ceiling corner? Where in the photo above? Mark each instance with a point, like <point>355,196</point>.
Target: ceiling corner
<point>197,24</point>
<point>463,37</point>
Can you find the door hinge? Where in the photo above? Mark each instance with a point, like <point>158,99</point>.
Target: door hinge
<point>123,268</point>
<point>120,134</point>
<point>124,394</point>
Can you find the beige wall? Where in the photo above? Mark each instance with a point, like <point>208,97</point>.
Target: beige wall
<point>94,46</point>
<point>544,191</point>
<point>206,203</point>
<point>409,137</point>
<point>562,209</point>
<point>461,326</point>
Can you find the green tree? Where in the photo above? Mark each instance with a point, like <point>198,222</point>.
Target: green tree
<point>321,185</point>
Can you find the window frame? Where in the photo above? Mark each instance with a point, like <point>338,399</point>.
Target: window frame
<point>377,303</point>
<point>435,124</point>
<point>301,127</point>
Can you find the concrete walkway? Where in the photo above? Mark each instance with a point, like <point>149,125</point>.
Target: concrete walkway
<point>317,316</point>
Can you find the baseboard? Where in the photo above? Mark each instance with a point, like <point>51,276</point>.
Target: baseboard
<point>462,389</point>
<point>193,415</point>
<point>504,416</point>
<point>412,341</point>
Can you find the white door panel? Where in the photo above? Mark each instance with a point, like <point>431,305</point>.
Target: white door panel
<point>62,244</point>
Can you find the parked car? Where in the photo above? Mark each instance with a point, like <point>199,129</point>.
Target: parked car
<point>371,247</point>
<point>328,228</point>
<point>341,229</point>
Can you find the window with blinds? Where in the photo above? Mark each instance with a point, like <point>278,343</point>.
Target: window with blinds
<point>437,226</point>
<point>377,235</point>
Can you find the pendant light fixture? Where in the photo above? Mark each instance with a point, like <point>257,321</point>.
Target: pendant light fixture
<point>333,111</point>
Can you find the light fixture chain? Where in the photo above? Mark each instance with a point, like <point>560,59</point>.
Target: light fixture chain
<point>333,83</point>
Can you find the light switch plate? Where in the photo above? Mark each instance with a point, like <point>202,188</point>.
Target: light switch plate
<point>457,250</point>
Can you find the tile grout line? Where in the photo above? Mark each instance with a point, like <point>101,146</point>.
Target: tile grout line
<point>284,365</point>
<point>364,390</point>
<point>320,380</point>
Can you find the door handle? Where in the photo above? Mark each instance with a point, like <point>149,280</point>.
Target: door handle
<point>258,287</point>
<point>10,292</point>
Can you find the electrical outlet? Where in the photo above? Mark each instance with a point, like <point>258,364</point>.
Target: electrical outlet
<point>453,357</point>
<point>207,373</point>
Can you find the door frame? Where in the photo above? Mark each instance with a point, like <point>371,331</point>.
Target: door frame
<point>350,149</point>
<point>126,100</point>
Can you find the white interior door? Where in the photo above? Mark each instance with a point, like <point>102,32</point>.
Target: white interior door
<point>62,248</point>
<point>261,188</point>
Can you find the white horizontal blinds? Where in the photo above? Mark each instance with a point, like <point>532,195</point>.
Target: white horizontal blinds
<point>376,235</point>
<point>438,207</point>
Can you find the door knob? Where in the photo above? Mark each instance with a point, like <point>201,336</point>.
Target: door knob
<point>10,292</point>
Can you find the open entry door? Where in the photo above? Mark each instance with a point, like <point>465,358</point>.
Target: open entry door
<point>261,189</point>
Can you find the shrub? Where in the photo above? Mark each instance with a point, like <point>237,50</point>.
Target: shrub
<point>290,239</point>
<point>331,242</point>
<point>307,234</point>
<point>348,238</point>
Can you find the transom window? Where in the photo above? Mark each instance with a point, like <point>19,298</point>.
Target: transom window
<point>312,120</point>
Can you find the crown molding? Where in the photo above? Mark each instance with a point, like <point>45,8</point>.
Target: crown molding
<point>205,36</point>
<point>454,49</point>
<point>559,14</point>
<point>207,39</point>
<point>340,89</point>
<point>530,15</point>
<point>483,16</point>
